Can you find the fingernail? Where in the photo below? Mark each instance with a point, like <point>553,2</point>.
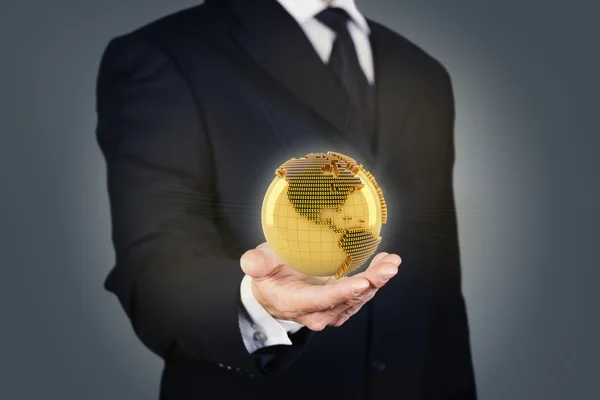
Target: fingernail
<point>360,287</point>
<point>388,273</point>
<point>396,260</point>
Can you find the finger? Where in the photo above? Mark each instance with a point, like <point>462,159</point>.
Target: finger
<point>260,263</point>
<point>381,271</point>
<point>392,258</point>
<point>350,311</point>
<point>313,298</point>
<point>319,319</point>
<point>341,320</point>
<point>326,316</point>
<point>382,268</point>
<point>343,307</point>
<point>379,274</point>
<point>377,258</point>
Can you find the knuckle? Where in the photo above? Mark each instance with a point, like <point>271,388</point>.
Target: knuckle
<point>354,300</point>
<point>369,296</point>
<point>352,310</point>
<point>349,312</point>
<point>344,314</point>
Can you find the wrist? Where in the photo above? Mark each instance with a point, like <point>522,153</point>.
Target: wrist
<point>263,302</point>
<point>257,295</point>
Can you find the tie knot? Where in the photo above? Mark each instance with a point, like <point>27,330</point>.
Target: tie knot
<point>335,18</point>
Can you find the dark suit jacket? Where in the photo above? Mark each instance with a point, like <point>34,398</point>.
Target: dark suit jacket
<point>195,113</point>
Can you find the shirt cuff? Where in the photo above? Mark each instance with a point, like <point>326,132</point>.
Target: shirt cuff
<point>263,330</point>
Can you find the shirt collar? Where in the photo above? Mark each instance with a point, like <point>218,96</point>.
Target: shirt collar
<point>305,10</point>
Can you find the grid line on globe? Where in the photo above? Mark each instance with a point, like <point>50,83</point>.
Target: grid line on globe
<point>322,214</point>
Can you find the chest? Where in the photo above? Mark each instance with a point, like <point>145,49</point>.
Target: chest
<point>256,121</point>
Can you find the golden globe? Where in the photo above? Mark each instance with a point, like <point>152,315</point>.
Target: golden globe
<point>322,214</point>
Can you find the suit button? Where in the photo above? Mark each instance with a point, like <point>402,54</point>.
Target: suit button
<point>378,366</point>
<point>260,336</point>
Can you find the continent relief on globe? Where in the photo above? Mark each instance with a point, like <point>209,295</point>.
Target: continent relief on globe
<point>322,214</point>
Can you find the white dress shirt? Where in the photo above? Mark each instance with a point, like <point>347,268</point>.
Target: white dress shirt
<point>266,330</point>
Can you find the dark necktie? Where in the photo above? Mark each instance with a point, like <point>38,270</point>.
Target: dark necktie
<point>345,65</point>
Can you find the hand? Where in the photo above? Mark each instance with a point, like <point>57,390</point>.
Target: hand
<point>315,302</point>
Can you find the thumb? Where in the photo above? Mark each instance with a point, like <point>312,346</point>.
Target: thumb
<point>260,262</point>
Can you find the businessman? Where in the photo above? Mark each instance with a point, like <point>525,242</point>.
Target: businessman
<point>195,111</point>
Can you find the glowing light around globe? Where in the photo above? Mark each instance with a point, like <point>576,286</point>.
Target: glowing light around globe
<point>322,214</point>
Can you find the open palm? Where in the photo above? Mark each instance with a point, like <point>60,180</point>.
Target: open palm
<point>315,302</point>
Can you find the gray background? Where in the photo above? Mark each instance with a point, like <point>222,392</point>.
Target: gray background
<point>526,85</point>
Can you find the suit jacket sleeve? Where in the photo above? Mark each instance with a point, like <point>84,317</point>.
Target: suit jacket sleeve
<point>427,235</point>
<point>177,283</point>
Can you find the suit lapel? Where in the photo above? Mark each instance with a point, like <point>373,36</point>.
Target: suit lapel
<point>392,94</point>
<point>277,45</point>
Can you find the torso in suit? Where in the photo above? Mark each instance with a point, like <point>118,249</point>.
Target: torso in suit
<point>195,113</point>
